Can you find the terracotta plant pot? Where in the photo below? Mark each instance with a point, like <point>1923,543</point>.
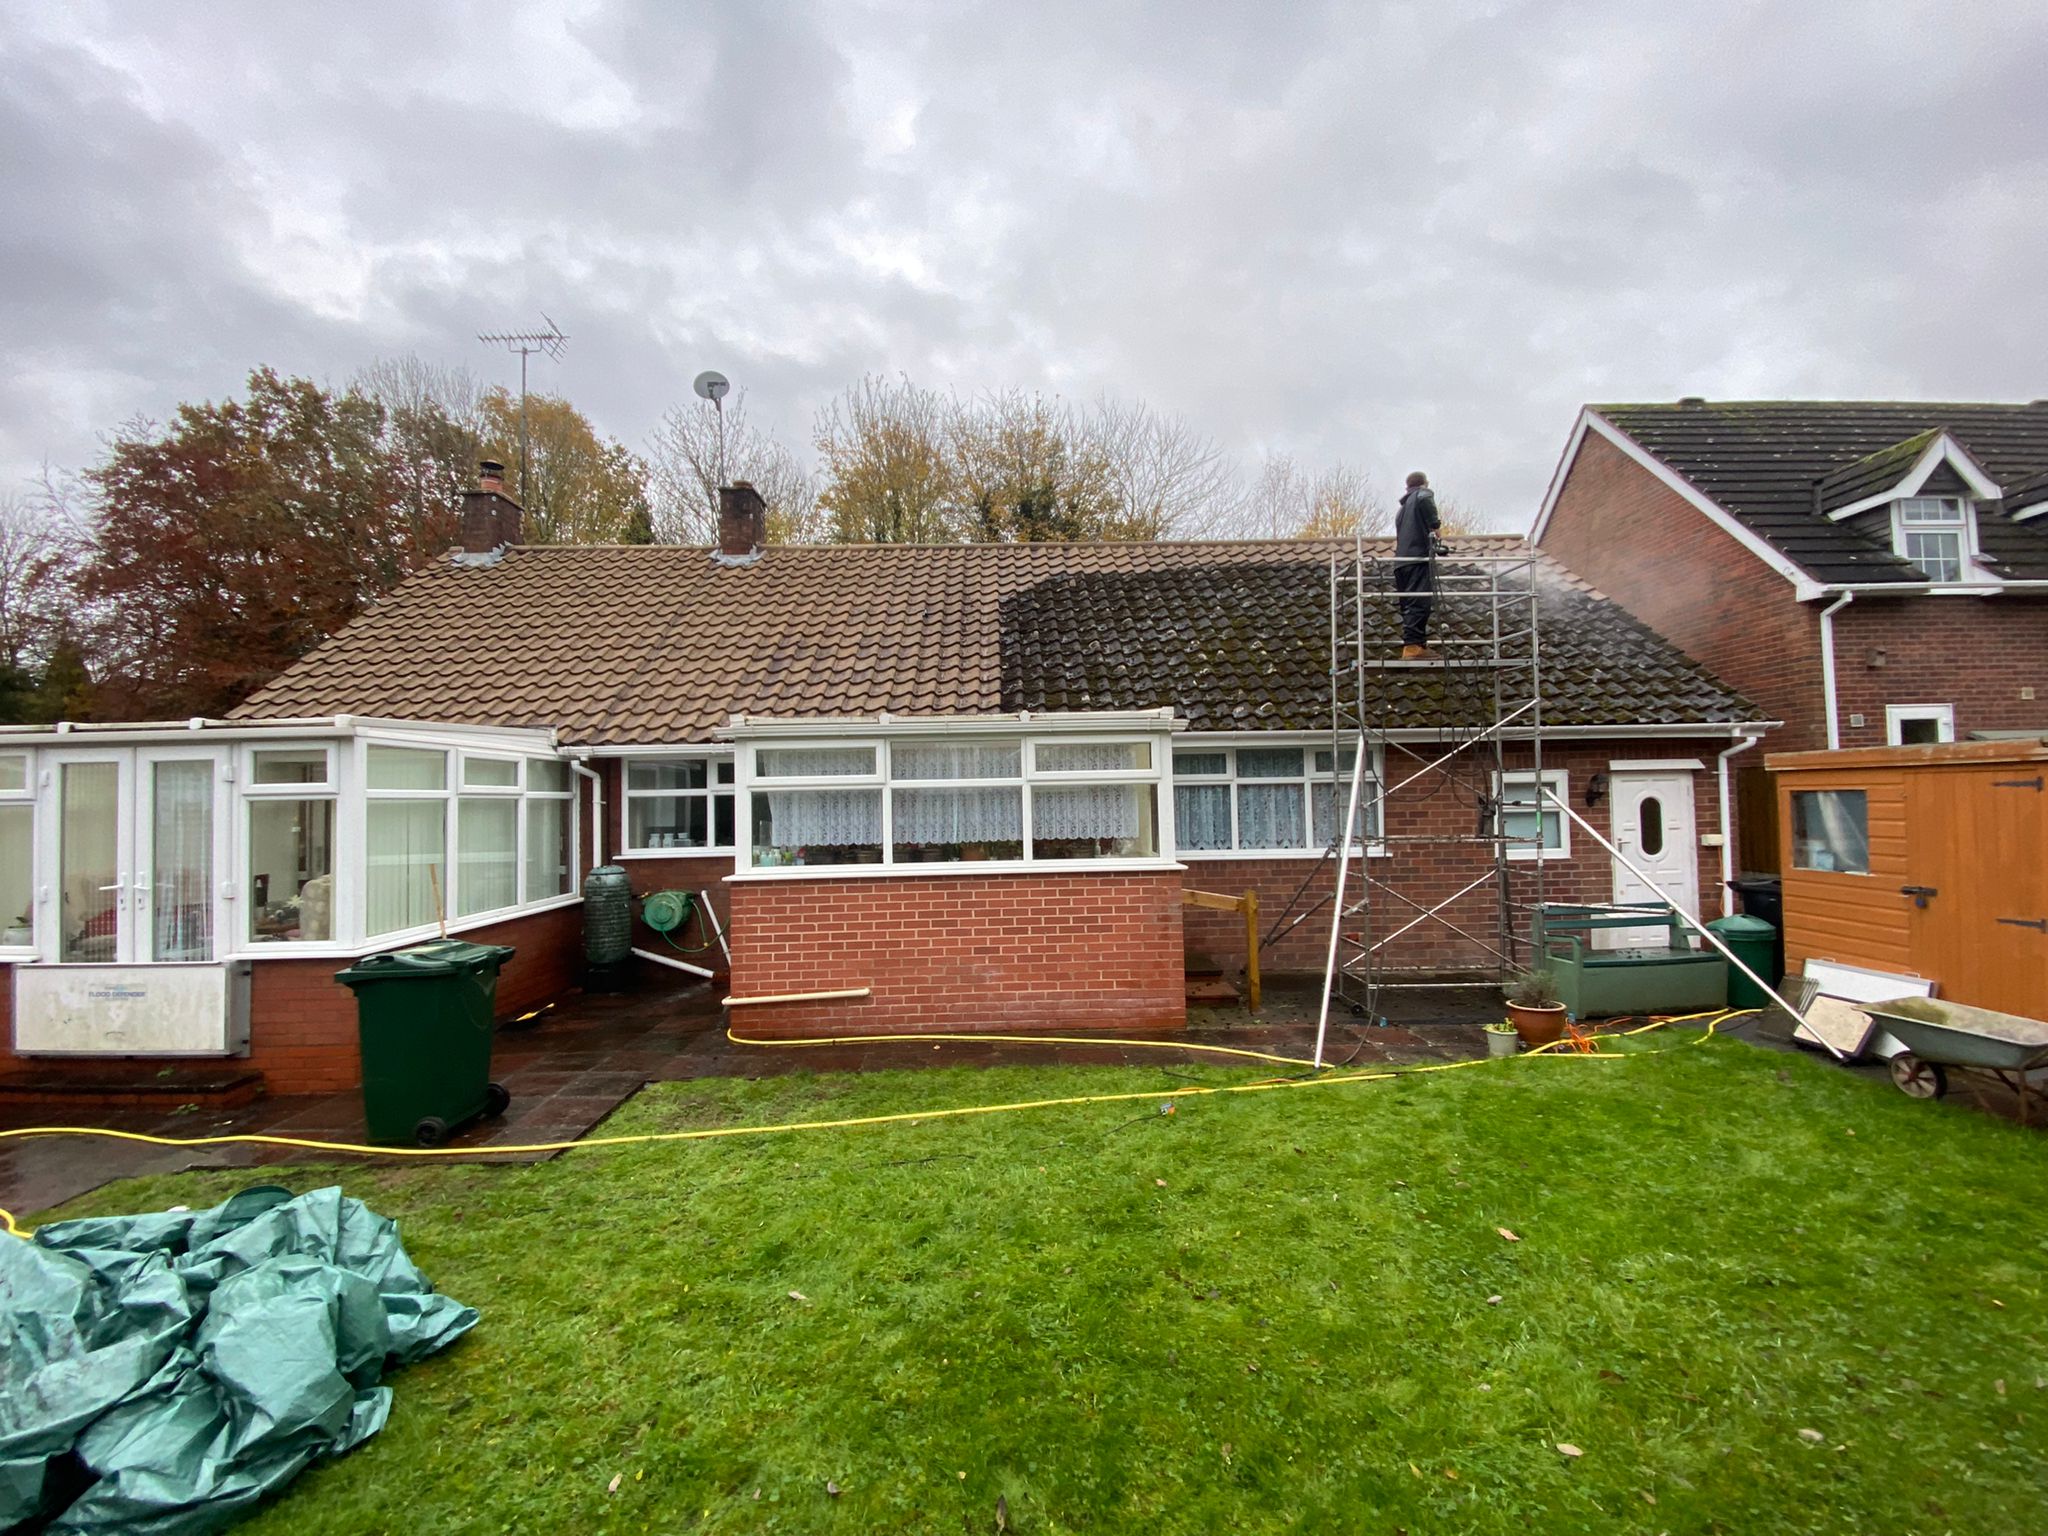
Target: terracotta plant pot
<point>1537,1026</point>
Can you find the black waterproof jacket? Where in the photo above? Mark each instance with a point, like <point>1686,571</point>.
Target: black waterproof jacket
<point>1415,525</point>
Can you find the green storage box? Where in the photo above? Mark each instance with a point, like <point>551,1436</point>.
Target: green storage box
<point>1593,983</point>
<point>1755,943</point>
<point>424,1017</point>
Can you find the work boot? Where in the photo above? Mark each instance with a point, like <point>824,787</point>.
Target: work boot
<point>1419,653</point>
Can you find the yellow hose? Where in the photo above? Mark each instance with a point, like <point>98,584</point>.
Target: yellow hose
<point>1190,1091</point>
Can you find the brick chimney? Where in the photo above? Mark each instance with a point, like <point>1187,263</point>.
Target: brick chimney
<point>742,522</point>
<point>490,518</point>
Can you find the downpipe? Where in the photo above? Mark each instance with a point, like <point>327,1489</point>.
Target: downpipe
<point>1727,844</point>
<point>1827,665</point>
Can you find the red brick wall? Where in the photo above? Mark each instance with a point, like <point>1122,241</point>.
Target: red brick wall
<point>961,952</point>
<point>303,1022</point>
<point>1978,654</point>
<point>1622,529</point>
<point>1427,873</point>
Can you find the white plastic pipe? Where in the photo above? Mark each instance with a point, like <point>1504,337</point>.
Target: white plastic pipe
<point>681,965</point>
<point>596,809</point>
<point>1827,665</point>
<point>716,926</point>
<point>1727,844</point>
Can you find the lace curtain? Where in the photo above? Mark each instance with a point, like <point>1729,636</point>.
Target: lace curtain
<point>994,814</point>
<point>1201,816</point>
<point>1269,816</point>
<point>824,818</point>
<point>969,760</point>
<point>1088,810</point>
<point>1093,756</point>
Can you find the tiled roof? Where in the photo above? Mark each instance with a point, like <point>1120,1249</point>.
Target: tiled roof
<point>1779,465</point>
<point>659,643</point>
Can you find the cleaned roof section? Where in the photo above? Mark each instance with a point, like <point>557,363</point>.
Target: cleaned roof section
<point>1778,465</point>
<point>659,643</point>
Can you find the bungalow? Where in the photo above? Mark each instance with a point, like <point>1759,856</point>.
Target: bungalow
<point>967,784</point>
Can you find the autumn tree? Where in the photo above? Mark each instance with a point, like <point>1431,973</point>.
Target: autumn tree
<point>580,487</point>
<point>1028,470</point>
<point>433,431</point>
<point>229,543</point>
<point>1289,502</point>
<point>687,462</point>
<point>886,464</point>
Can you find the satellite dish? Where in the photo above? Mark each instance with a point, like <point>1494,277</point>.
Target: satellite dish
<point>712,385</point>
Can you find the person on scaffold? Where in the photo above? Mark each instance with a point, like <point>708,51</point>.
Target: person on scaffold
<point>1416,547</point>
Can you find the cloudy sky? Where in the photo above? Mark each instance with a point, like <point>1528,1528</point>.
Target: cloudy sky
<point>1392,234</point>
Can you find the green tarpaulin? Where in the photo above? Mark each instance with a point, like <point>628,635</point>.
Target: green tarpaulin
<point>162,1373</point>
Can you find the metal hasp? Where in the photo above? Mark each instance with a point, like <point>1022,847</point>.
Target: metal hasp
<point>1484,702</point>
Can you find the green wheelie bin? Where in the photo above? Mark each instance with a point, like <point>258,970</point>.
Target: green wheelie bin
<point>424,1017</point>
<point>1755,943</point>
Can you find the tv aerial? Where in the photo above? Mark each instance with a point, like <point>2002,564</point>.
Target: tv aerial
<point>527,344</point>
<point>714,386</point>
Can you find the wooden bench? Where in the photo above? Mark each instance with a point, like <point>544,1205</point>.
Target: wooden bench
<point>1671,977</point>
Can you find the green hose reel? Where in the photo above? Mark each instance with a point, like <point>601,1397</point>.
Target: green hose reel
<point>666,911</point>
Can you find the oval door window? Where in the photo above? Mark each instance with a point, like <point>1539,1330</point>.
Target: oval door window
<point>1650,825</point>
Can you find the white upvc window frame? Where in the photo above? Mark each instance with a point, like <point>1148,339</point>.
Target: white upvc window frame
<point>714,760</point>
<point>24,796</point>
<point>749,780</point>
<point>1896,716</point>
<point>1558,782</point>
<point>1337,777</point>
<point>1909,520</point>
<point>343,775</point>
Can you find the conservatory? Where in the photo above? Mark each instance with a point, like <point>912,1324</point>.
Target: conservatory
<point>145,868</point>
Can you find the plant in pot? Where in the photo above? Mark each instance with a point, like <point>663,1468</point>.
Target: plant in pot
<point>1501,1039</point>
<point>1534,1008</point>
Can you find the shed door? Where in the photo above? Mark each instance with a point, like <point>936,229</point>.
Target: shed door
<point>1975,837</point>
<point>1653,828</point>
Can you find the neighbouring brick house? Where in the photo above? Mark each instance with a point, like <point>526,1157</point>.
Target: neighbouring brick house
<point>968,783</point>
<point>1870,573</point>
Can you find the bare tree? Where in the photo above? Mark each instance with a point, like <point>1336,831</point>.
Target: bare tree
<point>35,554</point>
<point>434,424</point>
<point>887,464</point>
<point>1288,502</point>
<point>684,475</point>
<point>1169,481</point>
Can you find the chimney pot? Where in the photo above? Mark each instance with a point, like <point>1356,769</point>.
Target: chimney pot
<point>742,521</point>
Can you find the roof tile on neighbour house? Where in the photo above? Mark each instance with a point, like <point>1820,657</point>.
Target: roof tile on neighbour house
<point>1780,466</point>
<point>655,643</point>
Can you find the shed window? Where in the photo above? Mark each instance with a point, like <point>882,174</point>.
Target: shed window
<point>1831,830</point>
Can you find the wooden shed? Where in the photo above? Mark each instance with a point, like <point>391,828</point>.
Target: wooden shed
<point>1929,860</point>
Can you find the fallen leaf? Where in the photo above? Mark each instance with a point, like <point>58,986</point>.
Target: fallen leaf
<point>1486,1386</point>
<point>798,1296</point>
<point>1812,1436</point>
<point>963,1477</point>
<point>1228,1450</point>
<point>1649,1497</point>
<point>1160,1182</point>
<point>1415,1469</point>
<point>831,1487</point>
<point>1002,1513</point>
<point>613,1485</point>
<point>1998,1387</point>
<point>1453,1476</point>
<point>1607,1375</point>
<point>1997,1303</point>
<point>1493,1301</point>
<point>1566,1448</point>
<point>1504,1232</point>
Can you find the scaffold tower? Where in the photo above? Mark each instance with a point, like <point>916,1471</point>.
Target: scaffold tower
<point>1440,761</point>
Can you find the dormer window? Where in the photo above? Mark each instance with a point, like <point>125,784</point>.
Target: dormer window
<point>1933,533</point>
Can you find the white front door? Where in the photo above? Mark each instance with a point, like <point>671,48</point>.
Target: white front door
<point>136,843</point>
<point>1653,828</point>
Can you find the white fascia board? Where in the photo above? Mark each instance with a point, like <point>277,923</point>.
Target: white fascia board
<point>160,733</point>
<point>660,749</point>
<point>1925,589</point>
<point>1713,511</point>
<point>1656,765</point>
<point>1943,449</point>
<point>2026,512</point>
<point>1029,722</point>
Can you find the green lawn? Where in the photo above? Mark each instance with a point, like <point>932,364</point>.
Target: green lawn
<point>1268,1311</point>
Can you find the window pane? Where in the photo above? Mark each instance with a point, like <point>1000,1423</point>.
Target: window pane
<point>291,870</point>
<point>489,772</point>
<point>812,762</point>
<point>1344,760</point>
<point>487,846</point>
<point>1269,762</point>
<point>547,775</point>
<point>958,760</point>
<point>1526,826</point>
<point>547,849</point>
<point>1930,509</point>
<point>1199,764</point>
<point>407,768</point>
<point>941,825</point>
<point>17,874</point>
<point>1201,816</point>
<point>407,847</point>
<point>296,765</point>
<point>1269,815</point>
<point>668,821</point>
<point>1092,756</point>
<point>1094,821</point>
<point>1919,732</point>
<point>680,773</point>
<point>181,861</point>
<point>817,826</point>
<point>725,770</point>
<point>1323,802</point>
<point>1831,830</point>
<point>86,872</point>
<point>1939,555</point>
<point>1650,825</point>
<point>13,772</point>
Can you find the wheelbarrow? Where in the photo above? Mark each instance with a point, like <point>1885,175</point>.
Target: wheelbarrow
<point>1942,1037</point>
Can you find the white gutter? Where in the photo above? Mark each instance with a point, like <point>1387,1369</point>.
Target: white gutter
<point>596,807</point>
<point>1727,844</point>
<point>1827,665</point>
